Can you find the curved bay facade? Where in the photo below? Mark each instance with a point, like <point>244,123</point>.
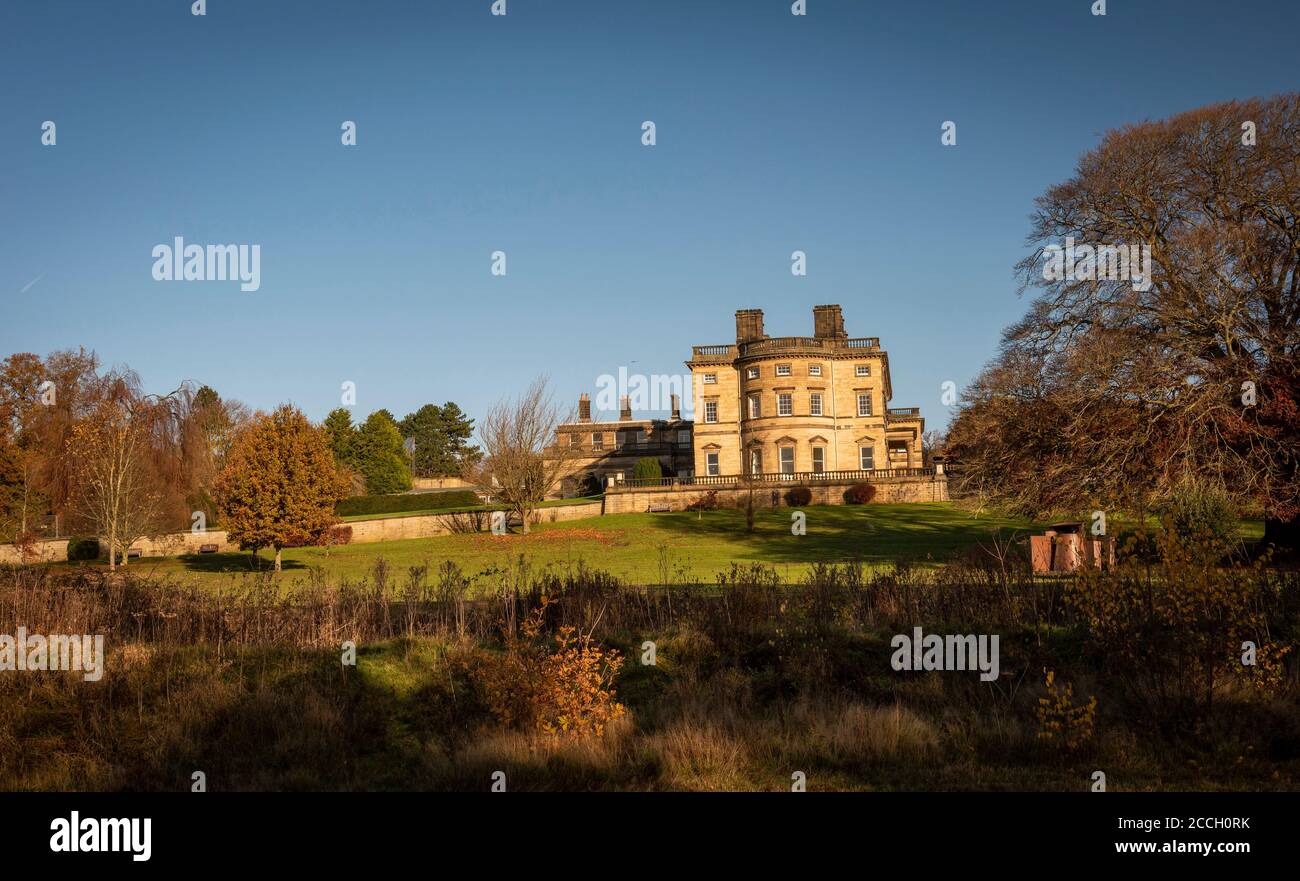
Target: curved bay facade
<point>798,404</point>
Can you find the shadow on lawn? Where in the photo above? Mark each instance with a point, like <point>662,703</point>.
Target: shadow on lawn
<point>842,533</point>
<point>235,563</point>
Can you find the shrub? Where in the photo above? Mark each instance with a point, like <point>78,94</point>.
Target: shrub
<point>568,691</point>
<point>397,504</point>
<point>859,494</point>
<point>798,497</point>
<point>463,522</point>
<point>25,543</point>
<point>83,549</point>
<point>1202,513</point>
<point>336,535</point>
<point>1062,722</point>
<point>584,484</point>
<point>1170,631</point>
<point>648,468</point>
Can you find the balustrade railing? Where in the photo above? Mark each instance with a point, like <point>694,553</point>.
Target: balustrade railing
<point>782,343</point>
<point>774,477</point>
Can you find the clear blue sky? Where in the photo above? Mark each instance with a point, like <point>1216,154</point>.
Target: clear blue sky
<point>522,133</point>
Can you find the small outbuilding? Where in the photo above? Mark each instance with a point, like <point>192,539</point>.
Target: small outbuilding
<point>1067,547</point>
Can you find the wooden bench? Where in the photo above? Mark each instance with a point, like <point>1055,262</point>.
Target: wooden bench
<point>660,507</point>
<point>209,549</point>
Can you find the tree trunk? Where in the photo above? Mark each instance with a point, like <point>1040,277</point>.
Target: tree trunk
<point>112,549</point>
<point>523,521</point>
<point>277,559</point>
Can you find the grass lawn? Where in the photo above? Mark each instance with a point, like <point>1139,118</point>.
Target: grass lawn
<point>647,548</point>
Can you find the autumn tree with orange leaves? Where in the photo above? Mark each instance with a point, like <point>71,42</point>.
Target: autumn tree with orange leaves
<point>279,485</point>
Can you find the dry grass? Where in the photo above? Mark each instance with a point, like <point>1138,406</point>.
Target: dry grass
<point>754,680</point>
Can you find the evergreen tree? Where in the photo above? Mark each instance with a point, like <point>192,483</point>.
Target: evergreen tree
<point>441,436</point>
<point>378,454</point>
<point>648,468</point>
<point>340,434</point>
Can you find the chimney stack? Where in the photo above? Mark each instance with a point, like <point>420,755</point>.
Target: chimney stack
<point>584,408</point>
<point>828,323</point>
<point>624,409</point>
<point>749,325</point>
<point>677,408</point>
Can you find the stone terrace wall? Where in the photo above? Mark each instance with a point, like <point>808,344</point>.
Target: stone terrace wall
<point>55,551</point>
<point>425,525</point>
<point>363,532</point>
<point>895,489</point>
<point>441,483</point>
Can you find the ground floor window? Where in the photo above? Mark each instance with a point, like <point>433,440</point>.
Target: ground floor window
<point>787,460</point>
<point>711,464</point>
<point>867,458</point>
<point>755,461</point>
<point>819,459</point>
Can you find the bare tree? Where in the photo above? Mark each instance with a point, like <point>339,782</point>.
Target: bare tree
<point>1120,387</point>
<point>116,490</point>
<point>931,444</point>
<point>523,460</point>
<point>747,482</point>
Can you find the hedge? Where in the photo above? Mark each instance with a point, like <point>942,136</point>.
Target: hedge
<point>83,549</point>
<point>399,504</point>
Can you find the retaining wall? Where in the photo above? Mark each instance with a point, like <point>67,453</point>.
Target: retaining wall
<point>441,483</point>
<point>363,532</point>
<point>896,489</point>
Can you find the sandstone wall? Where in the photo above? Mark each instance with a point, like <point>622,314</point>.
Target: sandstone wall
<point>440,483</point>
<point>363,532</point>
<point>55,551</point>
<point>899,489</point>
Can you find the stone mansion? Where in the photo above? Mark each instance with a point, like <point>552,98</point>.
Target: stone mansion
<point>800,406</point>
